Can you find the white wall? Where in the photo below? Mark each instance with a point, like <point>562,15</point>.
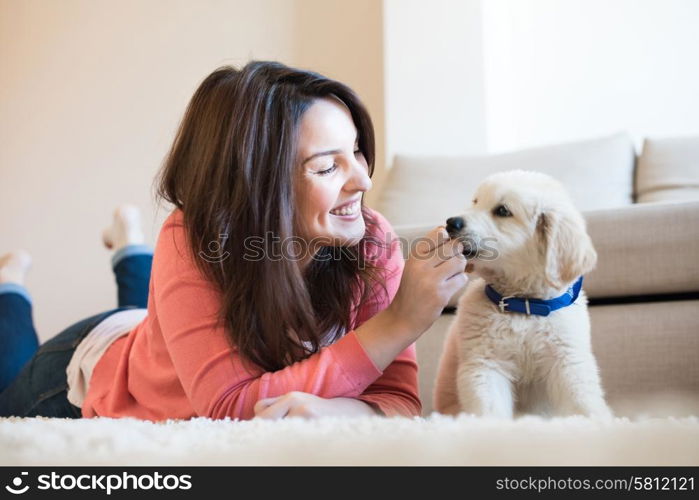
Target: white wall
<point>433,77</point>
<point>565,70</point>
<point>475,76</point>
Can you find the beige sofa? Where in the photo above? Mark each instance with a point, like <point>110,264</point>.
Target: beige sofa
<point>643,217</point>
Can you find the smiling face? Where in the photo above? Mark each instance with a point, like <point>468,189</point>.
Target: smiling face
<point>332,176</point>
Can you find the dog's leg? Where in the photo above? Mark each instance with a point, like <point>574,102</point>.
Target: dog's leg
<point>574,387</point>
<point>484,391</point>
<point>532,398</point>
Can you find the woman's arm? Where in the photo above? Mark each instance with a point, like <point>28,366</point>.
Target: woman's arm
<point>212,374</point>
<point>301,404</point>
<point>395,393</point>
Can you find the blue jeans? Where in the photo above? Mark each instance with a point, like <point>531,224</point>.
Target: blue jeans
<point>32,377</point>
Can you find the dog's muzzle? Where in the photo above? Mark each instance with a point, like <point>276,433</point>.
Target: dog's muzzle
<point>456,229</point>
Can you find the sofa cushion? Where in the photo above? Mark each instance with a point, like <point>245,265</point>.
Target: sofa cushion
<point>427,190</point>
<point>644,249</point>
<point>668,170</point>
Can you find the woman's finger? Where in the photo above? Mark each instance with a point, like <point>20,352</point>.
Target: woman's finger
<point>457,281</point>
<point>447,252</point>
<point>264,403</point>
<point>299,411</point>
<point>452,266</point>
<point>276,410</point>
<point>424,247</point>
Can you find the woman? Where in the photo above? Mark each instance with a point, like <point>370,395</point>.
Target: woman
<point>274,291</point>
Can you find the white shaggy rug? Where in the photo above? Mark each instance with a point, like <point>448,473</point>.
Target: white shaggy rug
<point>435,440</point>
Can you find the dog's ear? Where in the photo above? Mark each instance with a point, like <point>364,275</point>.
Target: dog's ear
<point>567,248</point>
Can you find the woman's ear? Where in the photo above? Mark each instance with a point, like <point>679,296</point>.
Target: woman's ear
<point>567,248</point>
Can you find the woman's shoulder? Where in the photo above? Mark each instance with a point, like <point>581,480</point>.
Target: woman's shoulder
<point>173,222</point>
<point>175,218</point>
<point>174,258</point>
<point>172,236</point>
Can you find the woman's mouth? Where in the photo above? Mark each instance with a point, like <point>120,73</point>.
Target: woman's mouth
<point>349,210</point>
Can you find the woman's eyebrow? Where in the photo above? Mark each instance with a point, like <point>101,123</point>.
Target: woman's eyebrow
<point>322,153</point>
<point>326,153</point>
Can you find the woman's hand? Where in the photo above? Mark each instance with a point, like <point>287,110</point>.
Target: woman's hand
<point>434,271</point>
<point>303,404</point>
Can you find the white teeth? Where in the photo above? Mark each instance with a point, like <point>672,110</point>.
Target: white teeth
<point>347,210</point>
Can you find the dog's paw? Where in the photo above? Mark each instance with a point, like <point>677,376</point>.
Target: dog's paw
<point>601,413</point>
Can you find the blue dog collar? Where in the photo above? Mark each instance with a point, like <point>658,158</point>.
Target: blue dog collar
<point>534,306</point>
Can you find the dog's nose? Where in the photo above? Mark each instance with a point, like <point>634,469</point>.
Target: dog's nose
<point>454,224</point>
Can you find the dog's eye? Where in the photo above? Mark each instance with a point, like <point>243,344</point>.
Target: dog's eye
<point>501,211</point>
<point>475,200</point>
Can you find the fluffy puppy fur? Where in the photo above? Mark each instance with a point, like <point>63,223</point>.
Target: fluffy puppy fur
<point>524,237</point>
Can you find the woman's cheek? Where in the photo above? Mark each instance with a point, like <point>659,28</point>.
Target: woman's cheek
<point>324,202</point>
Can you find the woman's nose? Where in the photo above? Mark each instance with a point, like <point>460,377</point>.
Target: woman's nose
<point>359,179</point>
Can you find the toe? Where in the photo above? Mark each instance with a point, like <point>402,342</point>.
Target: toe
<point>14,266</point>
<point>107,239</point>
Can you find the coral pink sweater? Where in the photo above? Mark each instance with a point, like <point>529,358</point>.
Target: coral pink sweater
<point>177,364</point>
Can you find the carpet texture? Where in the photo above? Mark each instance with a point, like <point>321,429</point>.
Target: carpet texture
<point>435,440</point>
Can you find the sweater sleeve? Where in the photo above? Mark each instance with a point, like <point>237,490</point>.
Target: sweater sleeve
<point>395,392</point>
<point>213,376</point>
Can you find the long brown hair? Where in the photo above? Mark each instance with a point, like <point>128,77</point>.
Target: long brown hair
<point>231,171</point>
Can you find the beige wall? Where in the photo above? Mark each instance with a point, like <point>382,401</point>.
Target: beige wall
<point>344,40</point>
<point>91,92</point>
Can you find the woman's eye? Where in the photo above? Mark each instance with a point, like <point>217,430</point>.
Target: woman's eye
<point>501,211</point>
<point>327,170</point>
<point>357,152</point>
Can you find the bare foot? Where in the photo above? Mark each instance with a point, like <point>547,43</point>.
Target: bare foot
<point>14,266</point>
<point>125,228</point>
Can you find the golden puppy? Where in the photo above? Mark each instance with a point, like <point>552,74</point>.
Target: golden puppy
<point>520,342</point>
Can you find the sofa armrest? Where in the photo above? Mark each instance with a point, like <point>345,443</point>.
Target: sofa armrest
<point>644,249</point>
